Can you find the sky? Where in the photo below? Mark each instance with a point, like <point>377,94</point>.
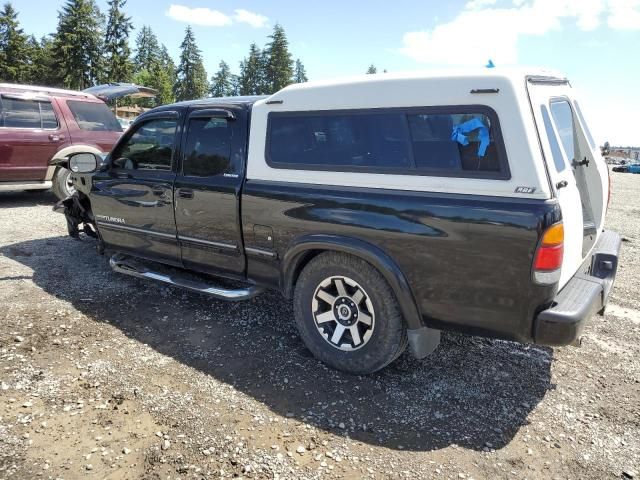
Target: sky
<point>595,43</point>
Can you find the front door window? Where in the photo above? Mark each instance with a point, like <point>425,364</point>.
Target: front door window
<point>150,147</point>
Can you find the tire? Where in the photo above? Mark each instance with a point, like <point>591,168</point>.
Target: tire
<point>357,333</point>
<point>62,187</point>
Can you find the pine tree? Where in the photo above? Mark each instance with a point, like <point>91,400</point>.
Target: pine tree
<point>147,50</point>
<point>300,74</point>
<point>41,63</point>
<point>78,44</point>
<point>192,77</point>
<point>251,79</point>
<point>118,62</point>
<point>14,48</point>
<point>279,67</point>
<point>222,83</point>
<point>372,70</point>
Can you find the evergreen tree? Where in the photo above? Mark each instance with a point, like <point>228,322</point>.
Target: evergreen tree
<point>118,62</point>
<point>251,79</point>
<point>192,77</point>
<point>372,70</point>
<point>14,47</point>
<point>78,44</point>
<point>148,50</point>
<point>300,74</point>
<point>279,65</point>
<point>222,83</point>
<point>41,63</point>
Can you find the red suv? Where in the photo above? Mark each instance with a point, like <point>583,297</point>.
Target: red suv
<point>41,126</point>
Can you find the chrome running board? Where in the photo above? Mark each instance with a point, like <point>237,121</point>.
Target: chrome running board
<point>122,264</point>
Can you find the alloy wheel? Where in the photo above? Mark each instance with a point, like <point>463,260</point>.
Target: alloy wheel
<point>343,313</point>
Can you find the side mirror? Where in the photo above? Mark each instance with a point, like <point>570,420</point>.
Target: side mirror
<point>84,162</point>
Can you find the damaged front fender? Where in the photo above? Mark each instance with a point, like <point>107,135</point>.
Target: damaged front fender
<point>77,212</point>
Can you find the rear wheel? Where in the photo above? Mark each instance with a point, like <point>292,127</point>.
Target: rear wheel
<point>62,184</point>
<point>347,314</point>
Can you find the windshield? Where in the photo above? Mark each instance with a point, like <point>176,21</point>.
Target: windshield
<point>95,117</point>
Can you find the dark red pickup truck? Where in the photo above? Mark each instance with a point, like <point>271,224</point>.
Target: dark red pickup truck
<point>41,126</point>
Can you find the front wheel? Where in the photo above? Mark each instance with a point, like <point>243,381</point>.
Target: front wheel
<point>62,183</point>
<point>347,314</point>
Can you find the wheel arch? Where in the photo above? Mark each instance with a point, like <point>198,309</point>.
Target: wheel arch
<point>306,248</point>
<point>61,157</point>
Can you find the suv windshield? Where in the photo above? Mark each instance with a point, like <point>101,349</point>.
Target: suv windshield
<point>95,117</point>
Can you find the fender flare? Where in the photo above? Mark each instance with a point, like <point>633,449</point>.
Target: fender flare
<point>61,157</point>
<point>358,248</point>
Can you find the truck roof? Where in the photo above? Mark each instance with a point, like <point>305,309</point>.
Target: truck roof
<point>239,100</point>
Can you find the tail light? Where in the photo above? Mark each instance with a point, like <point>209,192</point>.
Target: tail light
<point>547,262</point>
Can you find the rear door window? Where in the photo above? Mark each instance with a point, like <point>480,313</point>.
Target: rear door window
<point>24,113</point>
<point>208,148</point>
<point>93,116</point>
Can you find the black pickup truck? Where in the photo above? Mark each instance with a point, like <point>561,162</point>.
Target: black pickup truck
<point>388,208</point>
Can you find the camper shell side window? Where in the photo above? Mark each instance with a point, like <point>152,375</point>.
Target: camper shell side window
<point>452,141</point>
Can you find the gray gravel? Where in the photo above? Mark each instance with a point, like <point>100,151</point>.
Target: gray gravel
<point>105,376</point>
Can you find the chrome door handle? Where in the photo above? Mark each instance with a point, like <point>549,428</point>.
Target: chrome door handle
<point>56,138</point>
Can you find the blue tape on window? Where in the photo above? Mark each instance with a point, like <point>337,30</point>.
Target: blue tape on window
<point>459,131</point>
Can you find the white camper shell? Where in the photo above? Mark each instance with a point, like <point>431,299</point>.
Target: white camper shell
<point>550,150</point>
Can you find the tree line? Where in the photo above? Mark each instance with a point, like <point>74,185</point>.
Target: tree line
<point>89,48</point>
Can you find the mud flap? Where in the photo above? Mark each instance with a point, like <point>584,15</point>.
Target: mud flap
<point>77,216</point>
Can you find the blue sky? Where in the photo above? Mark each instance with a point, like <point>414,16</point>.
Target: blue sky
<point>595,42</point>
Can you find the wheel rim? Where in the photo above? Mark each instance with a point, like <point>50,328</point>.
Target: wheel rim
<point>68,183</point>
<point>343,313</point>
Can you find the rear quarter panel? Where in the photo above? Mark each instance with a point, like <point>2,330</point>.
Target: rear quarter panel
<point>467,258</point>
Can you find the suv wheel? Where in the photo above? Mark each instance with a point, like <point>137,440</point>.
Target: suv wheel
<point>347,314</point>
<point>62,184</point>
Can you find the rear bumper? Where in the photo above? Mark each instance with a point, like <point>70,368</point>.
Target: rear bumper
<point>586,293</point>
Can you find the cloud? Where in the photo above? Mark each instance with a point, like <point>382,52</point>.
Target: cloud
<point>485,29</point>
<point>625,15</point>
<point>199,16</point>
<point>214,18</point>
<point>254,19</point>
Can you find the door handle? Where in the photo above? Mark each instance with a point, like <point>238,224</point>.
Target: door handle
<point>56,138</point>
<point>185,193</point>
<point>122,175</point>
<point>561,184</point>
<point>158,191</point>
<point>584,161</point>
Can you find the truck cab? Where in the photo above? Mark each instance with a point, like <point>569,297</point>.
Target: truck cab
<point>388,208</point>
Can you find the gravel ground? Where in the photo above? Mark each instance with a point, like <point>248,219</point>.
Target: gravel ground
<point>105,376</point>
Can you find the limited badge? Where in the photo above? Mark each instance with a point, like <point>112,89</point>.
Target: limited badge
<point>525,189</point>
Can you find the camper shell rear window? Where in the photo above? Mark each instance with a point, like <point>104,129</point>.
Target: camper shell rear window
<point>453,141</point>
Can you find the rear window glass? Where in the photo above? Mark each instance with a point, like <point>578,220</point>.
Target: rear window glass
<point>563,119</point>
<point>19,113</point>
<point>558,160</point>
<point>208,148</point>
<point>393,141</point>
<point>94,117</point>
